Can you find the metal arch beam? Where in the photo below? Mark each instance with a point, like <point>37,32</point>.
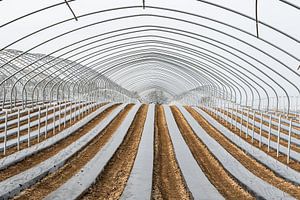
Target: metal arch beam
<point>222,67</point>
<point>182,63</point>
<point>287,96</point>
<point>175,11</point>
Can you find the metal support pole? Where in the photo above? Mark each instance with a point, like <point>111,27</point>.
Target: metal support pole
<point>18,133</point>
<point>71,113</point>
<point>247,128</point>
<point>236,117</point>
<point>289,142</point>
<point>253,127</point>
<point>46,122</point>
<point>65,114</point>
<point>39,124</point>
<point>278,135</point>
<point>59,118</point>
<point>5,133</point>
<point>269,133</point>
<point>28,128</point>
<point>260,128</point>
<point>53,121</point>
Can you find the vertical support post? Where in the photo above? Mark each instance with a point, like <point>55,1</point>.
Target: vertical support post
<point>260,128</point>
<point>28,128</point>
<point>269,133</point>
<point>46,122</point>
<point>227,114</point>
<point>231,120</point>
<point>236,117</point>
<point>53,122</point>
<point>59,118</point>
<point>247,128</point>
<point>65,114</point>
<point>289,142</point>
<point>241,122</point>
<point>5,133</point>
<point>278,135</point>
<point>18,133</point>
<point>253,127</point>
<point>71,113</point>
<point>39,124</point>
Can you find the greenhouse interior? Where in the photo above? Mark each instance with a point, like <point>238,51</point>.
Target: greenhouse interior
<point>149,99</point>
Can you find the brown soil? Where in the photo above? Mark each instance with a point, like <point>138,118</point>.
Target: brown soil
<point>39,157</point>
<point>214,171</point>
<point>75,163</point>
<point>250,163</point>
<point>282,158</point>
<point>112,181</point>
<point>168,182</point>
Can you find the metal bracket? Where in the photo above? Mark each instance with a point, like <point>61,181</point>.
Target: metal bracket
<point>75,17</point>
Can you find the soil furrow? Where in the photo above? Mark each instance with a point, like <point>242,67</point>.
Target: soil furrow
<point>250,163</point>
<point>51,151</point>
<point>75,163</point>
<point>112,181</point>
<point>168,182</point>
<point>214,171</point>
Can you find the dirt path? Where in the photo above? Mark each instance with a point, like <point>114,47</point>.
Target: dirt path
<point>214,171</point>
<point>168,182</point>
<point>74,164</point>
<point>251,164</point>
<point>112,181</point>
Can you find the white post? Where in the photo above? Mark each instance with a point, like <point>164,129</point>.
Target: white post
<point>71,113</point>
<point>289,142</point>
<point>74,117</point>
<point>247,128</point>
<point>28,128</point>
<point>5,133</point>
<point>269,133</point>
<point>231,120</point>
<point>46,122</point>
<point>227,114</point>
<point>241,122</point>
<point>65,114</point>
<point>18,133</point>
<point>260,128</point>
<point>278,138</point>
<point>39,124</point>
<point>59,118</point>
<point>53,122</point>
<point>236,117</point>
<point>253,127</point>
<point>82,110</point>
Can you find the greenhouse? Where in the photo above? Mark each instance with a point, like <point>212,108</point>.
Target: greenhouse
<point>150,99</point>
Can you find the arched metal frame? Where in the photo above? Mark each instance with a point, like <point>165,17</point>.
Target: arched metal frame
<point>96,70</point>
